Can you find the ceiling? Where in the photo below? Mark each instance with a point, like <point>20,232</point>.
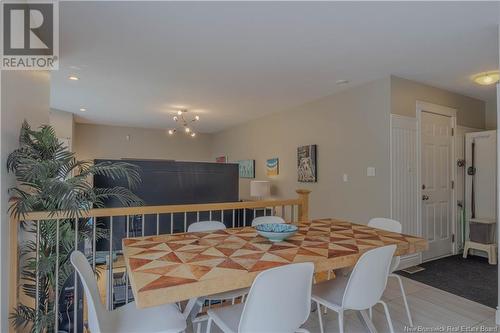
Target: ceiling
<point>231,62</point>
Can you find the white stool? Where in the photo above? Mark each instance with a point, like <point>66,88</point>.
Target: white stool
<point>490,249</point>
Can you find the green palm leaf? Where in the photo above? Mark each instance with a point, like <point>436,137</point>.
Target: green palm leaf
<point>51,179</point>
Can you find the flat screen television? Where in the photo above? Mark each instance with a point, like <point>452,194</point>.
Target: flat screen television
<point>167,182</point>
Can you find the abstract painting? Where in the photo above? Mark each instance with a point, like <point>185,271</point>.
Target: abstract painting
<point>272,167</point>
<point>221,159</point>
<point>247,168</point>
<point>306,164</point>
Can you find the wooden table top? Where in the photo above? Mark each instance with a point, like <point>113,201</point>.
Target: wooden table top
<point>174,267</point>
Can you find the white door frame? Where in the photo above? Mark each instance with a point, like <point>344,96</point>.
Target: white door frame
<point>452,113</point>
<point>497,312</point>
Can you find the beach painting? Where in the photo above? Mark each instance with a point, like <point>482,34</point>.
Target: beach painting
<point>246,168</point>
<point>307,164</point>
<point>272,167</point>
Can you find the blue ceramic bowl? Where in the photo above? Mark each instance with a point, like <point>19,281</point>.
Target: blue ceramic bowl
<point>276,232</point>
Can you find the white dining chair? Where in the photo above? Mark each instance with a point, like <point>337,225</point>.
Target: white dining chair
<point>279,301</point>
<point>393,226</point>
<point>128,318</point>
<point>205,226</point>
<point>360,290</point>
<point>266,219</point>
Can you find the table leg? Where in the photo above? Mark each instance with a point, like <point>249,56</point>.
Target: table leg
<point>366,321</point>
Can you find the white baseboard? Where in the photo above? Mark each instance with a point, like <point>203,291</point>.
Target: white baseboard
<point>410,260</point>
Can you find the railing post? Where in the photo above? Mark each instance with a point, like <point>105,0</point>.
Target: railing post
<point>304,205</point>
<point>13,266</point>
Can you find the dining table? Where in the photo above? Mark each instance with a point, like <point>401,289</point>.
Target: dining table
<point>170,268</point>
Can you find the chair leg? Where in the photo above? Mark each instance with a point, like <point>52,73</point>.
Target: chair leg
<point>325,311</point>
<point>410,320</point>
<point>370,313</point>
<point>492,255</point>
<point>387,316</point>
<point>466,249</point>
<point>319,317</point>
<point>341,321</point>
<point>209,324</point>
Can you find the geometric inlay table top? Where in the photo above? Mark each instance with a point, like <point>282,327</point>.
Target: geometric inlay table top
<point>174,267</point>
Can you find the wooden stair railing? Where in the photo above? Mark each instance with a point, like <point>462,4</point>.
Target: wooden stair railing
<point>302,204</point>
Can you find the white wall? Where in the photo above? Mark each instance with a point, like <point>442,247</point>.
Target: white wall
<point>351,130</point>
<point>491,116</point>
<point>497,313</point>
<point>404,179</point>
<point>101,141</point>
<point>24,95</point>
<point>460,174</point>
<point>405,93</point>
<point>63,123</point>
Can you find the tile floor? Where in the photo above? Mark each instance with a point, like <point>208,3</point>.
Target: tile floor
<point>431,308</point>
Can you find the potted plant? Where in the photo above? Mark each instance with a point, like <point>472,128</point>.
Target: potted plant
<point>51,179</point>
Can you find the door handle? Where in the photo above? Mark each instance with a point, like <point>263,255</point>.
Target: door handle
<point>425,197</point>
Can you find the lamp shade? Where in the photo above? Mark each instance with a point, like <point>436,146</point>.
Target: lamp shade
<point>260,188</point>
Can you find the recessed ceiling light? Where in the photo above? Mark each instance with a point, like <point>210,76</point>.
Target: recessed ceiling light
<point>73,78</point>
<point>486,78</point>
<point>83,109</point>
<point>342,82</point>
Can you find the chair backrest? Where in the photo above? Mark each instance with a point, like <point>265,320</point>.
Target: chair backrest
<point>368,279</point>
<point>97,313</point>
<point>279,299</point>
<point>267,219</point>
<point>388,225</point>
<point>206,226</point>
<point>385,224</point>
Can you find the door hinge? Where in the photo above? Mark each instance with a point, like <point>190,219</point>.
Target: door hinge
<point>453,238</point>
<point>452,131</point>
<point>452,184</point>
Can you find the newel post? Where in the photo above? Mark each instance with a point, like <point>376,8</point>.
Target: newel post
<point>304,206</point>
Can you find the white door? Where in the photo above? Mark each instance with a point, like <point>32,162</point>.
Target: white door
<point>436,136</point>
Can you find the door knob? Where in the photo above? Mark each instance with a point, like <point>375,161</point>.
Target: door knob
<point>425,197</point>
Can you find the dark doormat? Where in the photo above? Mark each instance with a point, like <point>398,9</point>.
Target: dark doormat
<point>472,278</point>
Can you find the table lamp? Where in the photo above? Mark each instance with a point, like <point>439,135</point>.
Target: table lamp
<point>260,189</point>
